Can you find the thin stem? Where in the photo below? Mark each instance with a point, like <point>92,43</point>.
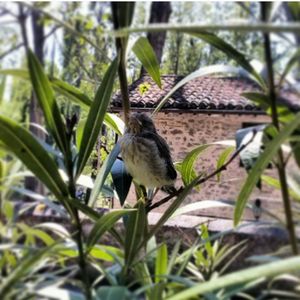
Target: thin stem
<point>77,225</point>
<point>121,45</point>
<point>204,179</point>
<point>124,85</point>
<point>275,121</point>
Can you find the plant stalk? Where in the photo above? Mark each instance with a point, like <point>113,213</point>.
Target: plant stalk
<point>78,228</point>
<point>275,120</point>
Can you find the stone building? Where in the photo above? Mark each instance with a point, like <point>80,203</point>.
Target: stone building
<point>205,110</point>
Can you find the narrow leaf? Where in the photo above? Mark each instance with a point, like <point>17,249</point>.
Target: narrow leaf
<point>161,263</point>
<point>262,162</point>
<point>104,224</point>
<point>45,96</point>
<point>135,232</point>
<point>96,116</point>
<point>24,266</point>
<point>239,277</point>
<point>115,123</point>
<point>274,182</point>
<point>214,69</point>
<point>290,64</point>
<point>146,55</point>
<point>33,155</point>
<point>71,92</point>
<point>2,89</point>
<point>62,87</point>
<point>231,52</point>
<point>103,173</point>
<point>222,159</point>
<point>187,166</point>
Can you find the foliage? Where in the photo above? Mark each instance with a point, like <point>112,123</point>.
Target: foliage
<point>52,260</point>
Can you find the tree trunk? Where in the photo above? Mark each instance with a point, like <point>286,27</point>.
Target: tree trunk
<point>160,13</point>
<point>35,112</point>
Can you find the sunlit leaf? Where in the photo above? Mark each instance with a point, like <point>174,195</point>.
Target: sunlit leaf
<point>239,277</point>
<point>161,263</point>
<point>2,89</point>
<point>61,87</point>
<point>96,116</point>
<point>146,55</point>
<point>33,155</point>
<point>231,52</point>
<point>261,164</point>
<point>71,92</point>
<point>114,122</point>
<point>28,262</point>
<point>103,173</point>
<point>203,204</point>
<point>274,182</point>
<point>222,159</point>
<point>45,96</point>
<point>214,69</point>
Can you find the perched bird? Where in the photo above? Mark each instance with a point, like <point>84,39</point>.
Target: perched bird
<point>146,154</point>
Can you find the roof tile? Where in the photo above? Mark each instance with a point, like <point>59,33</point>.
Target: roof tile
<point>203,93</point>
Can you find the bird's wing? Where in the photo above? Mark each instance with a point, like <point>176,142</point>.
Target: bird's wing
<point>164,151</point>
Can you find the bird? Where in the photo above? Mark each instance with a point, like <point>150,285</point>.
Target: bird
<point>146,155</point>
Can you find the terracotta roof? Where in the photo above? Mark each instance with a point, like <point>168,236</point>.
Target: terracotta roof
<point>203,94</point>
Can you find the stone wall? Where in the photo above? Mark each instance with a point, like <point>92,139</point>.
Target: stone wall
<point>185,131</point>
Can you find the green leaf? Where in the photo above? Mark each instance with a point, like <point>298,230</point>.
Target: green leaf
<point>45,96</point>
<point>231,52</point>
<point>71,92</point>
<point>222,159</point>
<point>146,55</point>
<point>103,173</point>
<point>22,73</point>
<point>262,162</point>
<point>214,69</point>
<point>203,204</point>
<point>33,155</point>
<point>27,263</point>
<point>63,88</point>
<point>96,116</point>
<point>115,123</point>
<point>106,253</point>
<point>161,263</point>
<point>239,277</point>
<point>271,181</point>
<point>187,166</point>
<point>259,98</point>
<point>2,89</point>
<point>123,13</point>
<point>104,224</point>
<point>290,64</point>
<point>135,232</point>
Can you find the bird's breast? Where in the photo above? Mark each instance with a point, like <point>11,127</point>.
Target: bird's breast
<point>143,162</point>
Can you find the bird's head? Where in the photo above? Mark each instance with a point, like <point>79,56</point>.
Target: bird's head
<point>140,122</point>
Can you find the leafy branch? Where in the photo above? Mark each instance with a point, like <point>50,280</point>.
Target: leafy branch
<point>206,178</point>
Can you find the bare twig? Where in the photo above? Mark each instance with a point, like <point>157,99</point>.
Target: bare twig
<point>204,179</point>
